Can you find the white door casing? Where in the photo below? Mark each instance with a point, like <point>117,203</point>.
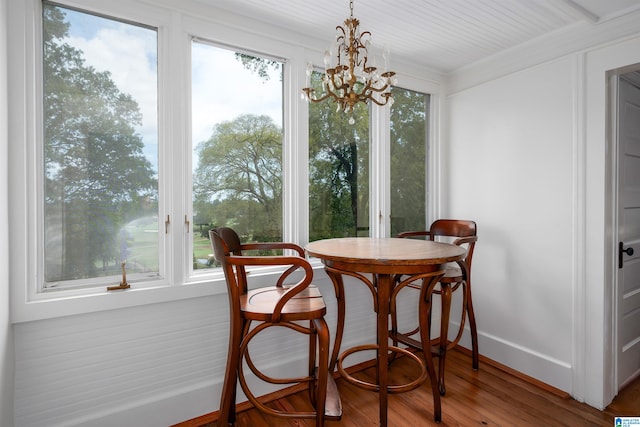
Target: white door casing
<point>628,280</point>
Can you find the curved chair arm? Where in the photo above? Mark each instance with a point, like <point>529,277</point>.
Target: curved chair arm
<point>276,245</point>
<point>295,263</point>
<point>464,264</point>
<point>465,240</point>
<point>272,245</point>
<point>404,234</point>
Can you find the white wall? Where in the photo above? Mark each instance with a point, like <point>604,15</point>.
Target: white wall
<point>525,154</point>
<point>151,366</point>
<point>510,168</point>
<point>6,331</point>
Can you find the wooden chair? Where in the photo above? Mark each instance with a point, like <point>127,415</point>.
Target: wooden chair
<point>458,276</point>
<point>253,311</point>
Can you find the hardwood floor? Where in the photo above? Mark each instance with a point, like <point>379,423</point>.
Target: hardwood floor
<point>488,397</point>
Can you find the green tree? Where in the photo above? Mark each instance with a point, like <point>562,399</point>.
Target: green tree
<point>338,168</point>
<point>240,173</point>
<point>95,169</point>
<point>258,65</point>
<point>408,160</point>
<point>339,157</point>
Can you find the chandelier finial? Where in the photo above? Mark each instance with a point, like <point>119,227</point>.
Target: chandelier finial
<point>353,79</point>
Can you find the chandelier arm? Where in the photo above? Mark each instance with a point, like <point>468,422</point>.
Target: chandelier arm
<point>340,37</point>
<point>382,89</point>
<point>333,95</point>
<point>359,42</point>
<point>322,98</point>
<point>382,104</point>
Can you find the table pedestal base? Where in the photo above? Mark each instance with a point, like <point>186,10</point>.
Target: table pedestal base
<point>394,388</point>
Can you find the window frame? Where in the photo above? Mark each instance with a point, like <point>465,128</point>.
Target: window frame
<point>432,128</point>
<point>196,275</point>
<point>175,31</point>
<point>98,281</point>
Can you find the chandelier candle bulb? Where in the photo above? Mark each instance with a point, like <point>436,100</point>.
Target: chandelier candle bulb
<point>309,71</point>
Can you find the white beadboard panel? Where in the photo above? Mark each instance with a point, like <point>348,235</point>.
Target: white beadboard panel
<point>440,35</point>
<point>70,368</point>
<point>157,364</point>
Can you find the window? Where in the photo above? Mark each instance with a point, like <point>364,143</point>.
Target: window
<point>338,169</point>
<point>100,149</point>
<point>339,166</point>
<point>408,160</point>
<point>237,146</point>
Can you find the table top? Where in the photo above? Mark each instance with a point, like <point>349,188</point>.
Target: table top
<point>379,254</point>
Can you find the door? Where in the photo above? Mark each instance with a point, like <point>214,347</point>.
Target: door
<point>628,290</point>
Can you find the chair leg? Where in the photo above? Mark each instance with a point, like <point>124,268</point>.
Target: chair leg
<point>322,330</point>
<point>338,286</point>
<point>394,323</point>
<point>445,299</point>
<point>475,356</point>
<point>228,400</point>
<point>424,316</point>
<point>227,405</point>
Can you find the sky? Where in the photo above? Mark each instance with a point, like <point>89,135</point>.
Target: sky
<point>222,88</point>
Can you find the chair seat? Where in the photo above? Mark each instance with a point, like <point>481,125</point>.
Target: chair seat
<point>259,304</point>
<point>452,275</point>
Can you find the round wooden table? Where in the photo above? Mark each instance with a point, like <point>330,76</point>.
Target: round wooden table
<point>383,259</point>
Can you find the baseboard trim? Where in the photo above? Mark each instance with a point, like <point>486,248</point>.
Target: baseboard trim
<point>529,379</point>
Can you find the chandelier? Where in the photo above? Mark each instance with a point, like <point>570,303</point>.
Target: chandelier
<point>353,78</point>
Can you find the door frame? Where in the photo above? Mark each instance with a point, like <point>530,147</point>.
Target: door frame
<point>613,90</point>
<point>593,350</point>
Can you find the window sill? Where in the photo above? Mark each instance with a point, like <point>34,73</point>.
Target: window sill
<point>64,303</point>
<point>73,302</point>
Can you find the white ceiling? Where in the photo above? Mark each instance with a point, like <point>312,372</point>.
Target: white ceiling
<point>443,35</point>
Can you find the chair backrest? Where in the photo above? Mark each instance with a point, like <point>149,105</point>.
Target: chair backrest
<point>463,233</point>
<point>452,228</point>
<point>226,242</point>
<point>456,231</point>
<point>230,238</point>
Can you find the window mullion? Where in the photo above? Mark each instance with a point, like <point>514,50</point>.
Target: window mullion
<point>379,156</point>
<point>173,65</point>
<point>295,154</point>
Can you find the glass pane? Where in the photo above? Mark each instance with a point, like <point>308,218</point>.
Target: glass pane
<point>408,160</point>
<point>338,169</point>
<point>100,148</point>
<point>237,147</point>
